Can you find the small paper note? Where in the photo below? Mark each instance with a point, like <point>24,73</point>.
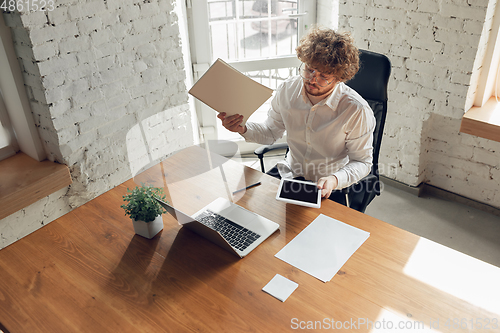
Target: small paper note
<point>280,287</point>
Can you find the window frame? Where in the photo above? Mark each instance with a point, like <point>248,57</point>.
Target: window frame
<point>482,106</point>
<point>12,147</point>
<point>15,98</point>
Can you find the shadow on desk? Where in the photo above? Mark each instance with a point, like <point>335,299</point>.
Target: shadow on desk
<point>165,268</point>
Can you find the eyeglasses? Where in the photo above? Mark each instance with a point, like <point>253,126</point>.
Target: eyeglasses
<point>308,74</point>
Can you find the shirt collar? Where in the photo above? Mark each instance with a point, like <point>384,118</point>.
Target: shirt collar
<point>331,101</point>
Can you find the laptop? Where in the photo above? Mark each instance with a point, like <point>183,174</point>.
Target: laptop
<point>227,225</point>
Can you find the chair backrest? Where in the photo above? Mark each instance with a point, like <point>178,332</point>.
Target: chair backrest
<point>371,83</point>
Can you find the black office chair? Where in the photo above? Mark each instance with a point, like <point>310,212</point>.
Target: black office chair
<point>371,83</point>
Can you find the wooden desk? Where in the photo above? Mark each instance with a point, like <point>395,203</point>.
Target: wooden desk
<point>88,272</point>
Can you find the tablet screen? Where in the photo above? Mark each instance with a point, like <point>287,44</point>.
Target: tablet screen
<point>299,192</point>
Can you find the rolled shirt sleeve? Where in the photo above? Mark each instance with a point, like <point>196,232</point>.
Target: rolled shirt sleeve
<point>359,146</point>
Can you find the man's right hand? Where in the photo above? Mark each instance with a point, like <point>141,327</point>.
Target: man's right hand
<point>232,123</point>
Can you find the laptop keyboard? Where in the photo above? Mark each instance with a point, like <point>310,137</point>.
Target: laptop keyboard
<point>236,235</point>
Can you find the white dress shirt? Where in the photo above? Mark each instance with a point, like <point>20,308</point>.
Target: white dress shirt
<point>332,137</point>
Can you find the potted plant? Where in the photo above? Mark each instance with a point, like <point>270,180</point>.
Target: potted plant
<point>144,210</point>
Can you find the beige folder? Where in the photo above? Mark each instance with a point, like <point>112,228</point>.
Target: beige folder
<point>225,89</point>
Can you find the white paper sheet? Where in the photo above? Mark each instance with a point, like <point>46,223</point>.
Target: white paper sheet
<point>280,287</point>
<point>323,247</point>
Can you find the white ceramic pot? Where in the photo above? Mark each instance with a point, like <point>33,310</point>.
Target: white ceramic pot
<point>150,229</point>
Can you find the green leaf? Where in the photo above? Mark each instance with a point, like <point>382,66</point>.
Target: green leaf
<point>141,204</point>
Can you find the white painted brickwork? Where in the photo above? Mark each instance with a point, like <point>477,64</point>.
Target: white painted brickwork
<point>97,72</point>
<point>432,45</point>
<point>106,84</point>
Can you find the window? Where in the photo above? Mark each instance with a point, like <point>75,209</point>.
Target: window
<point>257,37</point>
<point>15,112</point>
<point>8,142</point>
<point>497,82</point>
<point>483,99</point>
<point>488,81</point>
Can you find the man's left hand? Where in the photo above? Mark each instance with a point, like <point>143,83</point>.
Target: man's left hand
<point>327,185</point>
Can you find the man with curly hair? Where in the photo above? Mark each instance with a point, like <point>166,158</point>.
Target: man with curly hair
<point>329,126</point>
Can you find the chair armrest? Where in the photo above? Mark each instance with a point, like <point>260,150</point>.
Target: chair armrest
<point>260,151</point>
<point>360,194</point>
<point>267,148</point>
<point>367,179</point>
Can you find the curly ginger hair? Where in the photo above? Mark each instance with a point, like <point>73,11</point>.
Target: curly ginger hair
<point>329,52</point>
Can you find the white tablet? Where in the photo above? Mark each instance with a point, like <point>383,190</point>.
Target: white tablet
<point>299,192</point>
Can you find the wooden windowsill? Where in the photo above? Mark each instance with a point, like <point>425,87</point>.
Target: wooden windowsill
<point>24,181</point>
<point>483,121</point>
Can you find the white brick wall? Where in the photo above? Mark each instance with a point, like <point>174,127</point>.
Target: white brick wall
<point>432,46</point>
<point>95,71</point>
<point>327,12</point>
